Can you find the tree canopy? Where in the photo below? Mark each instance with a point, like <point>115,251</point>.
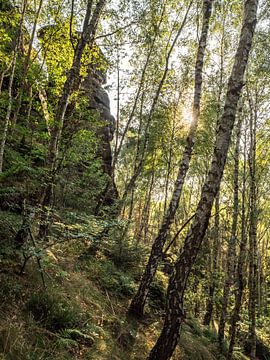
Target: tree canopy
<point>134,171</point>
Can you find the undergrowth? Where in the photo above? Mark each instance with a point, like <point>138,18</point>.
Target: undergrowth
<point>81,314</point>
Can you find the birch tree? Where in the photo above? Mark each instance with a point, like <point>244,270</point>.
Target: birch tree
<point>138,302</point>
<point>175,313</point>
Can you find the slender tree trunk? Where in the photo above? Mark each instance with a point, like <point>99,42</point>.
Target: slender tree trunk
<point>26,66</point>
<point>252,239</point>
<point>240,276</point>
<point>214,266</point>
<point>216,258</point>
<point>10,86</point>
<point>138,163</point>
<point>138,302</point>
<point>87,37</point>
<point>260,280</point>
<point>9,108</point>
<point>139,90</point>
<point>231,252</point>
<point>169,163</point>
<point>175,314</point>
<point>145,211</point>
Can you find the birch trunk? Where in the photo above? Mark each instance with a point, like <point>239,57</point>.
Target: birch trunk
<point>9,108</point>
<point>240,265</point>
<point>232,242</point>
<point>10,86</point>
<point>214,266</point>
<point>175,314</point>
<point>252,240</point>
<point>139,162</point>
<point>138,302</point>
<point>26,66</point>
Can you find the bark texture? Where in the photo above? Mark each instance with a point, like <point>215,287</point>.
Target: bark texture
<point>240,272</point>
<point>138,302</point>
<point>214,267</point>
<point>232,241</point>
<point>175,314</point>
<point>252,240</point>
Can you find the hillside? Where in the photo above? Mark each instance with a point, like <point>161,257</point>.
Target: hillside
<point>81,311</point>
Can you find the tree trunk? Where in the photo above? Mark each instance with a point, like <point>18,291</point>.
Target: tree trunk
<point>10,86</point>
<point>146,207</point>
<point>139,162</point>
<point>138,93</point>
<point>232,242</point>
<point>9,108</point>
<point>175,315</point>
<point>214,266</point>
<point>252,239</point>
<point>240,276</point>
<point>26,66</point>
<point>87,37</point>
<point>138,302</point>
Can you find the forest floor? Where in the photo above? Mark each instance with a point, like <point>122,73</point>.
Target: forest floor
<point>82,312</point>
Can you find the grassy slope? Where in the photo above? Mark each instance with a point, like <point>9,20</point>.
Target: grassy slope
<point>82,314</point>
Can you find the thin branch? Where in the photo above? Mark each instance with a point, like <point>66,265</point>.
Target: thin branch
<point>116,31</point>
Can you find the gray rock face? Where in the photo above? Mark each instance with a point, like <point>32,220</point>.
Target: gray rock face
<point>92,87</point>
<point>99,99</point>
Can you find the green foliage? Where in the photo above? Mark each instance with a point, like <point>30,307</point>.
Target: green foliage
<point>60,52</point>
<point>74,336</point>
<point>124,253</point>
<point>210,334</point>
<point>157,293</point>
<point>70,338</point>
<point>53,311</point>
<point>110,278</point>
<point>9,25</point>
<point>237,355</point>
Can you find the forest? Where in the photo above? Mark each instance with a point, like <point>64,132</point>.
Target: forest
<point>134,164</point>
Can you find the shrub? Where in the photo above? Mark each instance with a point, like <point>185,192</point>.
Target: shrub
<point>109,277</point>
<point>53,311</point>
<point>157,292</point>
<point>115,281</point>
<point>125,254</point>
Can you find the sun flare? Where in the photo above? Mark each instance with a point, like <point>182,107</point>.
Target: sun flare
<point>187,115</point>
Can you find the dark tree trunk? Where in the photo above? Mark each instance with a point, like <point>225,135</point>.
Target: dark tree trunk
<point>175,315</point>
